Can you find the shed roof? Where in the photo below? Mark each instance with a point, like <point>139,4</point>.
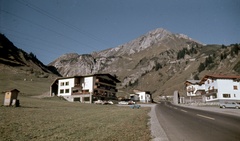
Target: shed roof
<point>11,90</point>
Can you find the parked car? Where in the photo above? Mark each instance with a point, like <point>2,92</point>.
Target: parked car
<point>103,102</point>
<point>123,102</point>
<point>131,102</point>
<point>228,104</point>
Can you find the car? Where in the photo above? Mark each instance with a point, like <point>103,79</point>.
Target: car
<point>131,102</point>
<point>228,104</point>
<point>123,102</point>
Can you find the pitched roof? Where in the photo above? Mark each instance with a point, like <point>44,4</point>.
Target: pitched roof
<point>234,77</point>
<point>76,76</point>
<point>193,81</point>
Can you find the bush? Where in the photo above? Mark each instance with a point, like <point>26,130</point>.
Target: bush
<point>236,68</point>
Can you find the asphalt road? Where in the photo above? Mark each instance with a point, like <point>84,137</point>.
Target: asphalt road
<point>186,124</point>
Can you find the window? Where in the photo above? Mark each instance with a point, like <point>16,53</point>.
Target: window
<point>226,95</point>
<point>235,87</point>
<point>66,90</point>
<point>61,91</point>
<point>234,95</point>
<point>62,84</point>
<point>67,83</point>
<point>86,98</point>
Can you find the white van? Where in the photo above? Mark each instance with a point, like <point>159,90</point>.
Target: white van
<point>229,104</point>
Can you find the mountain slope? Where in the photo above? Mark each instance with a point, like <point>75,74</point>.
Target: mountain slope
<point>152,43</point>
<point>14,58</point>
<point>159,62</point>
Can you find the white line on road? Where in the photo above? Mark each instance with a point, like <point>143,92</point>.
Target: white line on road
<point>205,117</point>
<point>184,111</point>
<point>175,108</point>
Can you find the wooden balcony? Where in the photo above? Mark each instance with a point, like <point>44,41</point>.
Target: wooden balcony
<point>212,91</point>
<point>190,89</point>
<point>105,89</point>
<point>112,84</point>
<point>79,91</point>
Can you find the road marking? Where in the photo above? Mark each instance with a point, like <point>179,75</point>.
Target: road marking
<point>205,117</point>
<point>184,111</point>
<point>175,108</point>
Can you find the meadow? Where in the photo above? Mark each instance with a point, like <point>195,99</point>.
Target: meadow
<point>52,118</point>
<point>56,119</point>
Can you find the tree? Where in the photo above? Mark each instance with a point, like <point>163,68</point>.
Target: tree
<point>196,77</point>
<point>223,46</point>
<point>158,66</point>
<point>221,57</point>
<point>208,61</point>
<point>235,49</point>
<point>201,67</point>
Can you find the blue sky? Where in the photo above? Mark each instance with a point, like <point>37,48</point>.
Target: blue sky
<point>51,28</point>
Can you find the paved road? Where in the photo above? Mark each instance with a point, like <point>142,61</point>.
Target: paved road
<point>186,124</point>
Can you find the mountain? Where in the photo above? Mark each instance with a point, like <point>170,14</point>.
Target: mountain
<point>158,61</point>
<point>160,39</point>
<point>15,59</point>
<point>157,37</point>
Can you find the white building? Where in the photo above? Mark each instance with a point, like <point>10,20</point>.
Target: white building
<point>194,87</point>
<point>85,88</point>
<point>144,96</point>
<point>218,88</point>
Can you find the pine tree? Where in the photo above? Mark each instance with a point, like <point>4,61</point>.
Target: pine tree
<point>201,67</point>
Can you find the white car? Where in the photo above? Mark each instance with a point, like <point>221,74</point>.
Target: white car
<point>123,102</point>
<point>229,104</point>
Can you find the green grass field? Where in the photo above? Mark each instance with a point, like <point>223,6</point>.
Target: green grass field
<point>27,84</point>
<point>54,119</point>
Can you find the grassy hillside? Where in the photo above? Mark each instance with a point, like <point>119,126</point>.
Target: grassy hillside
<point>53,119</point>
<point>170,73</point>
<point>28,84</point>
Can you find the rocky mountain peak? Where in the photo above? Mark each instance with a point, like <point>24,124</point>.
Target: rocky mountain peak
<point>157,37</point>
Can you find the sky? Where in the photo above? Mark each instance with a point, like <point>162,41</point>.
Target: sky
<point>51,28</point>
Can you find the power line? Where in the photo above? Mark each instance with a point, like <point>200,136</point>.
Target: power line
<point>39,10</point>
<point>44,28</point>
<point>34,37</point>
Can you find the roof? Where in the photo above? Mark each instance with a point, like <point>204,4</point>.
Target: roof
<point>234,77</point>
<point>193,81</point>
<point>138,91</point>
<point>76,76</point>
<point>11,90</point>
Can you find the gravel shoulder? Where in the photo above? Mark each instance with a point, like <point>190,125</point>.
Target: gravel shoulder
<point>157,131</point>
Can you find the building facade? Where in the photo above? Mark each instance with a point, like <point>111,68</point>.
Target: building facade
<point>194,91</point>
<point>194,88</point>
<point>143,96</point>
<point>85,88</point>
<point>221,88</point>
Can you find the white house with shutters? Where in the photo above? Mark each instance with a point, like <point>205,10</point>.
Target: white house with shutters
<point>221,88</point>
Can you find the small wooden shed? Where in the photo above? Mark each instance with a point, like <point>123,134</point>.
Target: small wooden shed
<point>11,98</point>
